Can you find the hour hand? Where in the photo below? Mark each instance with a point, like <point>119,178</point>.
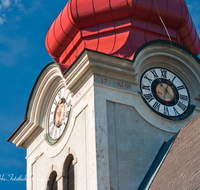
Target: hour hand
<point>166,91</point>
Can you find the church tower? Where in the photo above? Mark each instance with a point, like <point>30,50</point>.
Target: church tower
<point>126,79</point>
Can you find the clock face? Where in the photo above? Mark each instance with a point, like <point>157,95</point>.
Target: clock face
<point>59,114</point>
<point>164,92</point>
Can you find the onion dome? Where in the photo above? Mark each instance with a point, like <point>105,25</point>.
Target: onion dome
<point>118,28</point>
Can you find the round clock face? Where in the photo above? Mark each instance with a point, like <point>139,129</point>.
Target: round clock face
<point>164,92</point>
<point>59,114</point>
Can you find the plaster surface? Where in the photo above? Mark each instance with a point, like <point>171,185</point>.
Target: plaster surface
<point>133,144</point>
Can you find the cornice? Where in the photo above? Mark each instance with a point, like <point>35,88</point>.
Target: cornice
<point>29,124</point>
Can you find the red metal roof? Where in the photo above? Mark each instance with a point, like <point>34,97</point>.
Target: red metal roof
<point>117,27</point>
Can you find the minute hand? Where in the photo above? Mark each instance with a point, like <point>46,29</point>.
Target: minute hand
<point>171,96</point>
<point>165,91</point>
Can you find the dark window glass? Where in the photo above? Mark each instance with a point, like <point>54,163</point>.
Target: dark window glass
<point>68,178</point>
<point>71,176</point>
<point>52,183</point>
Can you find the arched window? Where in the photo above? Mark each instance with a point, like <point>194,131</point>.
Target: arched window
<point>52,183</point>
<point>68,174</point>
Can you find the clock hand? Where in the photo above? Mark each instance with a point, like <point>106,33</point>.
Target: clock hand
<point>164,89</point>
<point>60,101</point>
<point>165,92</point>
<point>169,83</point>
<point>169,94</point>
<point>59,113</point>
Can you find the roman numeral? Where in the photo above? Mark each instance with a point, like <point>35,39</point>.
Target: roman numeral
<point>166,110</point>
<point>148,97</point>
<point>150,80</point>
<point>180,87</point>
<point>154,74</point>
<point>163,73</point>
<point>182,106</point>
<point>67,114</point>
<point>69,103</point>
<point>55,134</point>
<point>173,78</point>
<point>51,123</point>
<point>175,111</point>
<point>51,132</point>
<point>183,97</point>
<point>59,94</point>
<point>55,102</point>
<point>145,87</point>
<point>59,132</point>
<point>156,106</point>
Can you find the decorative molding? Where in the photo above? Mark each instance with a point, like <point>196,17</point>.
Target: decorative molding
<point>90,64</point>
<point>48,80</point>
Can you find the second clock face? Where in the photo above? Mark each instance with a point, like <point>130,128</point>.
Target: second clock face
<point>164,92</point>
<point>59,114</point>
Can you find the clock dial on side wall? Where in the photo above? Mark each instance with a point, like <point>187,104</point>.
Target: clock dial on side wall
<point>165,93</point>
<point>58,116</point>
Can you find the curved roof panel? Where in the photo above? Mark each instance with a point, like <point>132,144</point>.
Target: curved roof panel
<point>117,27</point>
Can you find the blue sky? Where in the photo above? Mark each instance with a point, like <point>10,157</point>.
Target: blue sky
<point>23,27</point>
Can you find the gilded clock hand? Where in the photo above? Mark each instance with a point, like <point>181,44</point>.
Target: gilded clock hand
<point>59,112</point>
<point>60,101</point>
